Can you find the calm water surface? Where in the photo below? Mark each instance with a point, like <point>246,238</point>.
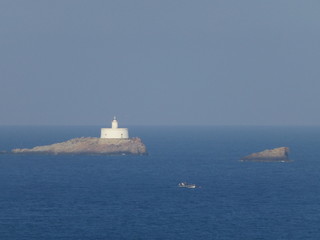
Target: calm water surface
<point>136,197</point>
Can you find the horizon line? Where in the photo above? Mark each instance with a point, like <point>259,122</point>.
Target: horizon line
<point>161,125</point>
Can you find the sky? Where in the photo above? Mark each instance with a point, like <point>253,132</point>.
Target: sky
<point>164,62</point>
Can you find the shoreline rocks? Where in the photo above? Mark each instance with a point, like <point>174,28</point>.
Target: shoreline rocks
<point>89,145</point>
<point>270,155</point>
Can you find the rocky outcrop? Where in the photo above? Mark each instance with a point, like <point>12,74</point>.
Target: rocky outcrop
<point>90,146</point>
<point>270,155</point>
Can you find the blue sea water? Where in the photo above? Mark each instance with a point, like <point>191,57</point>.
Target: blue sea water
<point>136,197</point>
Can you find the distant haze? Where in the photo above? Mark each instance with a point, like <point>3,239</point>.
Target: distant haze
<point>165,62</point>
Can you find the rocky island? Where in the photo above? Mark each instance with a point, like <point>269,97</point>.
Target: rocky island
<point>112,141</point>
<point>270,155</point>
<point>90,145</point>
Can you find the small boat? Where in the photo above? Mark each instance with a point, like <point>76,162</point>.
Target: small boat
<point>186,185</point>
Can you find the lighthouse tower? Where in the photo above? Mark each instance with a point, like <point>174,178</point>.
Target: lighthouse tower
<point>114,131</point>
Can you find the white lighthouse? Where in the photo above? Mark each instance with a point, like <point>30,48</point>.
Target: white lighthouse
<point>114,131</point>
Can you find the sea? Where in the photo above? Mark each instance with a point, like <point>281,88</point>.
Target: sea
<point>75,197</point>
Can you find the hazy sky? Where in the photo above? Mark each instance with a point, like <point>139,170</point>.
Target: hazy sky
<point>165,62</point>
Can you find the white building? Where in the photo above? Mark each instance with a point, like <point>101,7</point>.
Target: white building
<point>114,131</point>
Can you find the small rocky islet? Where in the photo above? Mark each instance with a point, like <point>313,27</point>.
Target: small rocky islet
<point>280,154</point>
<point>90,145</point>
<point>112,141</point>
